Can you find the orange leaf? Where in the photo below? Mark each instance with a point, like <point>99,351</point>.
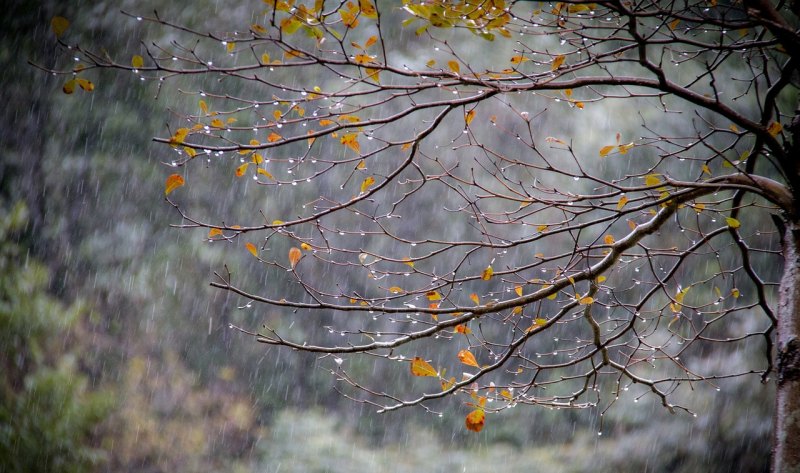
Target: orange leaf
<point>173,182</point>
<point>461,328</point>
<point>294,256</point>
<point>609,239</point>
<point>214,232</point>
<point>475,420</point>
<point>241,170</point>
<point>774,128</point>
<point>466,357</point>
<point>251,248</point>
<point>474,297</point>
<point>273,137</point>
<point>420,367</point>
<point>606,149</point>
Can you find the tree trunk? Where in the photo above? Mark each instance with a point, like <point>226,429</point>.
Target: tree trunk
<point>786,441</point>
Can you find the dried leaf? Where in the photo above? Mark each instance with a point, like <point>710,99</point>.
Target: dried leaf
<point>294,256</point>
<point>557,62</point>
<point>461,328</point>
<point>466,357</point>
<point>420,367</point>
<point>241,170</point>
<point>469,116</point>
<point>433,296</point>
<point>605,150</point>
<point>59,25</point>
<point>305,246</point>
<point>475,420</point>
<point>454,66</point>
<point>366,183</point>
<point>474,297</point>
<point>69,86</point>
<point>774,128</point>
<point>487,273</point>
<point>173,182</point>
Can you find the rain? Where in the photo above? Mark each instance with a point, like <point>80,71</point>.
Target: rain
<point>232,239</point>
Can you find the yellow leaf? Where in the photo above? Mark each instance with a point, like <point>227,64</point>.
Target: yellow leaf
<point>606,149</point>
<point>706,169</point>
<point>537,323</point>
<point>265,58</point>
<point>453,65</point>
<point>374,74</point>
<point>257,159</point>
<point>433,296</point>
<point>586,300</point>
<point>203,106</point>
<point>430,63</point>
<point>579,105</point>
<point>251,248</point>
<point>516,310</point>
<point>735,293</point>
<point>609,239</point>
<point>178,137</point>
<point>518,290</point>
<point>137,61</point>
<point>305,246</point>
<point>277,222</point>
<point>652,180</point>
<point>396,290</point>
<point>475,420</point>
<point>361,165</point>
<point>506,394</point>
<point>294,256</point>
<point>217,123</point>
<point>420,367</point>
<point>541,228</point>
<point>469,116</point>
<point>674,24</point>
<point>241,170</point>
<point>367,183</point>
<point>466,357</point>
<point>449,383</point>
<point>264,172</point>
<point>69,86</point>
<point>732,222</point>
<point>351,141</point>
<point>623,149</point>
<point>230,46</point>
<point>214,232</point>
<point>368,9</point>
<point>258,29</point>
<point>519,59</point>
<point>59,25</point>
<point>173,182</point>
<point>86,85</point>
<point>474,298</point>
<point>408,262</point>
<point>600,279</point>
<point>774,128</point>
<point>370,41</point>
<point>487,273</point>
<point>557,62</point>
<point>622,201</point>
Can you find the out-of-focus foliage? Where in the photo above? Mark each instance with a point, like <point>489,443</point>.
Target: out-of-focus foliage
<point>48,412</point>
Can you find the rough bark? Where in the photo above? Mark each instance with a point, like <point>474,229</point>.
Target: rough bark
<point>786,453</point>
